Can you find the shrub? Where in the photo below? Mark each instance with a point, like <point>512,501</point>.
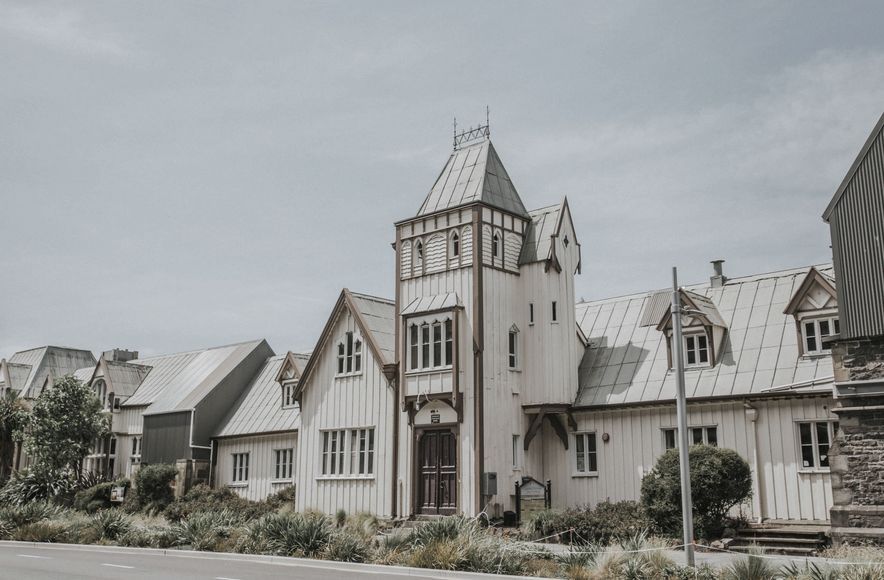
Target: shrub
<point>42,531</point>
<point>203,498</point>
<point>605,523</point>
<point>290,534</point>
<point>204,530</point>
<point>720,479</point>
<point>347,547</point>
<point>153,490</point>
<point>29,485</point>
<point>284,498</point>
<point>442,529</point>
<point>750,568</point>
<point>29,513</point>
<point>97,497</point>
<point>110,524</point>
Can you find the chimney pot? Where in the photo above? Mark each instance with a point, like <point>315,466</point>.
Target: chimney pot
<point>718,278</point>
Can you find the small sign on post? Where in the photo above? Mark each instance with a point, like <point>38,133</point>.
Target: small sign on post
<point>118,494</point>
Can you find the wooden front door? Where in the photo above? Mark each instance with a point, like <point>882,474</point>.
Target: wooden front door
<point>437,473</point>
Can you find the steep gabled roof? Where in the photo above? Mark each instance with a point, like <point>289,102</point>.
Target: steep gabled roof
<point>876,136</point>
<point>259,408</point>
<point>49,361</point>
<point>375,318</point>
<point>123,378</point>
<point>813,277</point>
<point>627,362</point>
<point>543,229</point>
<point>703,305</point>
<point>474,173</point>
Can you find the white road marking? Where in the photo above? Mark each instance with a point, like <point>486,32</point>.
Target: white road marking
<point>225,578</point>
<point>32,556</point>
<point>117,566</point>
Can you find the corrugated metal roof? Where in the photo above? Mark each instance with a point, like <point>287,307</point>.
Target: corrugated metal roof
<point>199,377</point>
<point>626,361</point>
<point>429,303</point>
<point>18,375</point>
<point>84,374</point>
<point>163,369</point>
<point>55,360</point>
<point>259,409</point>
<point>537,245</point>
<point>126,377</point>
<point>379,315</point>
<point>474,173</point>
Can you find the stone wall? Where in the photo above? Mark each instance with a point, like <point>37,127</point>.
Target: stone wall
<point>857,455</point>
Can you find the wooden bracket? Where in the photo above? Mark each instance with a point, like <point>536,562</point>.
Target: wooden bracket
<point>559,428</point>
<point>534,428</point>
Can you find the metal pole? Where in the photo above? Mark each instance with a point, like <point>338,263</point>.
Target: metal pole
<point>681,411</point>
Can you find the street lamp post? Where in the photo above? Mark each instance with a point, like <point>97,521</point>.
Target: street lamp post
<point>682,415</point>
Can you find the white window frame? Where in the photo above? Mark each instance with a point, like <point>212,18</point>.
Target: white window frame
<point>585,437</point>
<point>831,321</point>
<point>283,464</point>
<point>496,240</point>
<point>814,444</point>
<point>288,395</point>
<point>512,346</point>
<point>240,475</point>
<point>349,355</point>
<point>705,432</point>
<point>417,257</point>
<point>517,452</point>
<point>349,453</point>
<point>454,246</point>
<point>135,457</point>
<point>434,349</point>
<point>692,344</point>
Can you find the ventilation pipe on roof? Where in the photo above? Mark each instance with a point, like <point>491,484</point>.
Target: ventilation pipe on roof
<point>718,278</point>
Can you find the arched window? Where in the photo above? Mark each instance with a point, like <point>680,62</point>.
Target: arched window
<point>430,344</point>
<point>349,355</point>
<point>455,245</point>
<point>419,254</point>
<point>513,348</point>
<point>495,246</point>
<point>100,388</point>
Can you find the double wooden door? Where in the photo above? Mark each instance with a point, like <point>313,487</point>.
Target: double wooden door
<point>437,472</point>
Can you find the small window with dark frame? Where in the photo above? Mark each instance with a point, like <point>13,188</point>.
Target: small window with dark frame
<point>419,254</point>
<point>284,460</point>
<point>815,439</point>
<point>240,467</point>
<point>530,313</point>
<point>495,246</point>
<point>349,355</point>
<point>696,435</point>
<point>815,330</point>
<point>430,344</point>
<point>513,349</point>
<point>696,350</point>
<point>555,311</point>
<point>455,245</point>
<point>585,453</point>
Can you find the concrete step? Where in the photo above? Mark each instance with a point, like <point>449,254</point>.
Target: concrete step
<point>790,551</point>
<point>798,540</point>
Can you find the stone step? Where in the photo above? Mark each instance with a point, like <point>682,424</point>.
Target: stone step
<point>790,551</point>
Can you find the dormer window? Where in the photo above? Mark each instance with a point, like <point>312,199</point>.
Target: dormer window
<point>349,355</point>
<point>813,332</point>
<point>696,350</point>
<point>288,395</point>
<point>495,246</point>
<point>455,245</point>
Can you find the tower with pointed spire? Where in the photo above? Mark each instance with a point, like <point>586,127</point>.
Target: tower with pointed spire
<point>487,343</point>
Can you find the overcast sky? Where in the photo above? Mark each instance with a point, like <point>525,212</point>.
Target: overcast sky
<point>186,174</point>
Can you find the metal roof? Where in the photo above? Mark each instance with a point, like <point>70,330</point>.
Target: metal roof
<point>379,315</point>
<point>259,409</point>
<point>474,173</point>
<point>430,303</point>
<point>18,375</point>
<point>163,369</point>
<point>199,377</point>
<point>84,374</point>
<point>627,362</point>
<point>537,245</point>
<point>49,360</point>
<point>126,377</point>
<point>867,146</point>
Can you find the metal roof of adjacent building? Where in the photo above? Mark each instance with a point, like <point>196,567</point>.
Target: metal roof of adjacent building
<point>474,173</point>
<point>379,315</point>
<point>259,409</point>
<point>163,369</point>
<point>537,245</point>
<point>54,361</point>
<point>198,378</point>
<point>126,377</point>
<point>627,361</point>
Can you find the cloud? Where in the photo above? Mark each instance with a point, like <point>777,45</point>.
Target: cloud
<point>60,29</point>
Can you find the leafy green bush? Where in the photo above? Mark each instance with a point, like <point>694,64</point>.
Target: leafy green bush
<point>153,491</point>
<point>607,522</point>
<point>284,498</point>
<point>203,498</point>
<point>36,484</point>
<point>720,479</point>
<point>97,497</point>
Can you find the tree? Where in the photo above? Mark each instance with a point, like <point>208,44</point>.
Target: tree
<point>65,422</point>
<point>13,416</point>
<point>720,479</point>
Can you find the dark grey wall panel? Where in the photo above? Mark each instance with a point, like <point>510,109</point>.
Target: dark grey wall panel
<point>166,438</point>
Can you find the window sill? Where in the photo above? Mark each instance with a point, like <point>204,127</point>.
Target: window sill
<point>344,477</point>
<point>282,481</point>
<point>238,484</point>
<point>289,407</point>
<point>815,355</point>
<point>514,370</point>
<point>813,470</point>
<point>416,372</point>
<point>586,474</point>
<point>348,375</point>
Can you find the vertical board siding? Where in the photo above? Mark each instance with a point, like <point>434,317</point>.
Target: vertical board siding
<point>262,464</point>
<point>857,230</point>
<point>787,492</point>
<point>329,402</point>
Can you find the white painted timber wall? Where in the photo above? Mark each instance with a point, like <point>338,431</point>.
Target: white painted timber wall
<point>262,480</point>
<point>357,401</point>
<point>785,490</point>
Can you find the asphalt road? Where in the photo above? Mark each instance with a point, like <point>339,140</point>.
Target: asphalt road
<point>24,561</point>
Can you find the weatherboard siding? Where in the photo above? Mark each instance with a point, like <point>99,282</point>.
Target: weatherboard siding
<point>358,401</point>
<point>637,441</point>
<point>262,480</point>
